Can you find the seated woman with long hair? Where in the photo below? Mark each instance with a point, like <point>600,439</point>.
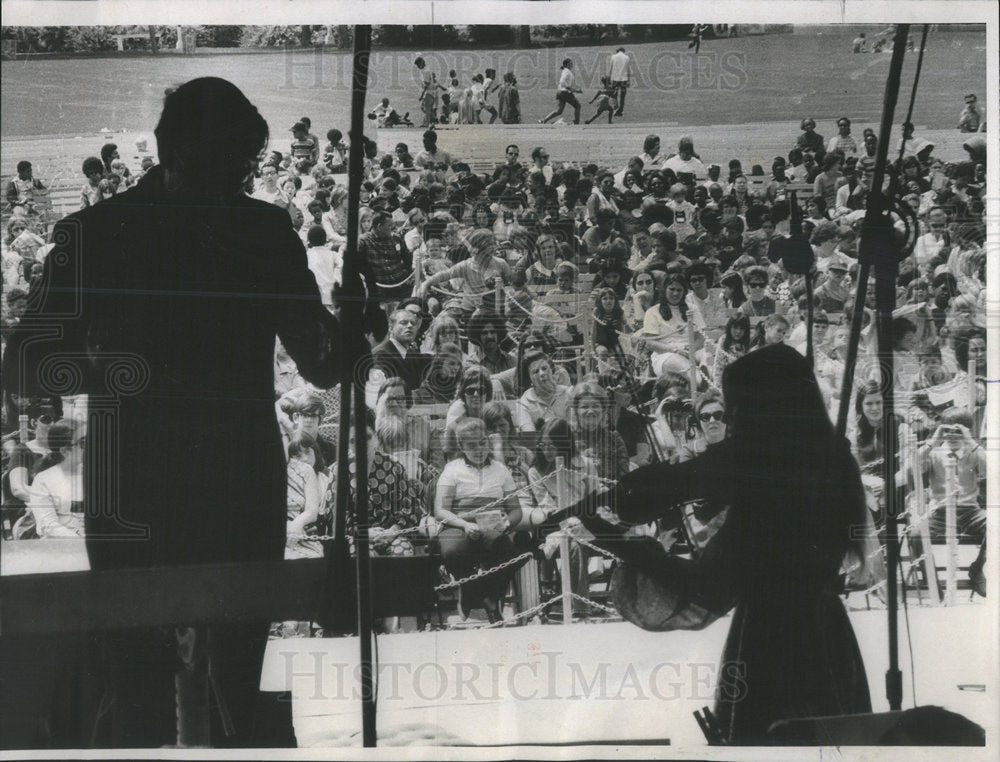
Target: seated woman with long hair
<point>735,343</point>
<point>777,557</point>
<point>642,295</point>
<point>664,330</point>
<point>474,390</point>
<point>470,536</point>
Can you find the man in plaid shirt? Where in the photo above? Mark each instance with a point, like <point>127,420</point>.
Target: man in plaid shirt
<point>390,261</point>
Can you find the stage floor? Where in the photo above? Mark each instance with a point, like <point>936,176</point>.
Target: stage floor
<point>592,683</point>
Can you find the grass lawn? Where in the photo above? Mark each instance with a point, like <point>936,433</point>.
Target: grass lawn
<point>733,81</point>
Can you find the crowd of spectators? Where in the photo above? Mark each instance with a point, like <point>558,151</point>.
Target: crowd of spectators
<point>550,325</point>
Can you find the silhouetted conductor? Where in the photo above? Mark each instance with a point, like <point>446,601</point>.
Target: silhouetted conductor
<point>163,304</point>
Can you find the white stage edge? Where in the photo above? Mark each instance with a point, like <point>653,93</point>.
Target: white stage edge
<point>596,683</point>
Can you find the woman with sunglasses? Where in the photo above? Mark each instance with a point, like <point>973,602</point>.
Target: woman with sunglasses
<point>710,414</point>
<point>475,389</point>
<point>759,304</point>
<point>56,493</point>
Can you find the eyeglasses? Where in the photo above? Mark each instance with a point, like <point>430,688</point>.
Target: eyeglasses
<point>395,400</point>
<point>696,278</point>
<point>757,285</point>
<point>718,415</point>
<point>81,442</point>
<point>473,390</point>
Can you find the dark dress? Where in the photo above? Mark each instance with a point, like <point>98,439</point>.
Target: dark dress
<point>794,497</point>
<point>791,651</point>
<point>178,304</point>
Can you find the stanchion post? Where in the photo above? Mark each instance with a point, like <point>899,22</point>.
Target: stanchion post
<point>951,526</point>
<point>920,514</point>
<point>692,363</point>
<point>566,577</point>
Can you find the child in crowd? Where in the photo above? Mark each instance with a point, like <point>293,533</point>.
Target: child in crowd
<point>771,330</point>
<point>609,318</point>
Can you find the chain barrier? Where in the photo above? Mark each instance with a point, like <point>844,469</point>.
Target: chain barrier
<point>482,572</point>
<point>403,282</point>
<point>527,614</point>
<point>596,605</point>
<point>601,551</point>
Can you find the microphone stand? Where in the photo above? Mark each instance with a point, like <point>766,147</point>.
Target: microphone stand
<point>878,249</point>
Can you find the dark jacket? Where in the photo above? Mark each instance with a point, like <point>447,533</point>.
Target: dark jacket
<point>386,357</point>
<point>165,313</point>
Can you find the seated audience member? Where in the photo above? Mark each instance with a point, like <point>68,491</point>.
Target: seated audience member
<point>545,400</point>
<point>477,507</point>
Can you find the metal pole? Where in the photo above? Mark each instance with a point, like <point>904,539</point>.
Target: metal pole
<point>352,318</point>
<point>875,210</point>
<point>951,526</point>
<point>692,362</point>
<point>920,517</point>
<point>877,249</point>
<point>566,578</point>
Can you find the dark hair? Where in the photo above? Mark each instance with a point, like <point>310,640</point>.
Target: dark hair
<point>530,358</point>
<point>868,439</point>
<point>60,435</point>
<point>211,135</point>
<point>901,327</point>
<point>560,433</point>
<point>810,490</point>
<point>300,442</point>
<point>477,376</point>
<point>316,236</point>
<point>23,165</point>
<point>616,311</point>
<point>735,282</point>
<point>960,344</point>
<point>92,164</point>
<point>106,150</point>
<point>665,312</point>
<point>740,320</point>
